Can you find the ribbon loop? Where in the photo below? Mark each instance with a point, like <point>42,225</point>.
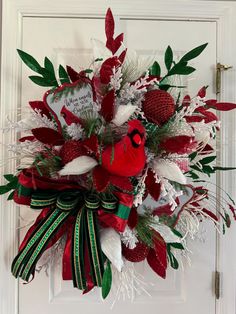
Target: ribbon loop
<point>42,199</point>
<point>68,200</point>
<point>92,202</point>
<point>109,203</point>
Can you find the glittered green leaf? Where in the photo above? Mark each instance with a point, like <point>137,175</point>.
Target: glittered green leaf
<point>177,233</point>
<point>196,168</point>
<point>194,53</point>
<point>192,175</point>
<point>88,71</point>
<point>180,69</point>
<point>4,189</point>
<point>207,160</point>
<point>10,196</point>
<point>9,177</point>
<point>41,81</point>
<point>208,169</point>
<point>48,71</point>
<point>48,65</point>
<point>177,246</point>
<point>155,69</point>
<point>193,156</point>
<point>64,78</point>
<point>29,61</point>
<point>172,259</point>
<point>168,57</point>
<point>106,280</point>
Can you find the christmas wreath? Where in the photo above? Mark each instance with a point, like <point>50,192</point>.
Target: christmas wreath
<point>101,144</point>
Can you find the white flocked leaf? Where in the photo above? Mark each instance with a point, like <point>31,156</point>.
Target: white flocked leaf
<point>100,51</point>
<point>166,233</point>
<point>78,166</point>
<point>111,246</point>
<point>123,113</point>
<point>169,170</point>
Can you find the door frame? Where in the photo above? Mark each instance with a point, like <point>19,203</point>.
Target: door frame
<point>13,13</point>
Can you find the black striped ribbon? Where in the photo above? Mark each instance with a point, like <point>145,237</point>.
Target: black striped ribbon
<point>24,263</point>
<point>85,234</point>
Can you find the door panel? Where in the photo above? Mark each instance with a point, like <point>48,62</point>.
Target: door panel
<point>67,41</point>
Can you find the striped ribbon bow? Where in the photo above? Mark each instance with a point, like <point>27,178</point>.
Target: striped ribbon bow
<point>85,236</point>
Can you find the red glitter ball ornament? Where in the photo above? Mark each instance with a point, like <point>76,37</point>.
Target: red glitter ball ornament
<point>71,150</point>
<point>158,106</point>
<point>138,254</point>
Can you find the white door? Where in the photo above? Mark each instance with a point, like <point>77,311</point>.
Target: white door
<point>65,39</point>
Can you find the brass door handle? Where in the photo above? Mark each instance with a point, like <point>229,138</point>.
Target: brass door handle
<point>219,68</point>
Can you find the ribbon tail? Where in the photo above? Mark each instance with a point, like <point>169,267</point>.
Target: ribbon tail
<point>66,261</point>
<point>87,258</point>
<point>24,263</point>
<point>94,248</point>
<point>77,253</point>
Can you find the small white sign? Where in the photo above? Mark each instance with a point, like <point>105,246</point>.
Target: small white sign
<point>77,99</point>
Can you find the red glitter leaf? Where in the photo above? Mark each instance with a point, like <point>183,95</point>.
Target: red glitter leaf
<point>154,188</point>
<point>210,103</point>
<point>122,183</point>
<point>91,144</point>
<point>75,76</point>
<point>157,257</point>
<point>27,138</point>
<point>48,136</point>
<point>208,115</point>
<point>179,144</point>
<point>100,179</point>
<point>107,67</point>
<point>233,210</point>
<point>202,92</point>
<point>163,210</point>
<point>133,218</point>
<point>117,43</point>
<point>109,25</point>
<point>210,214</point>
<point>223,106</point>
<point>122,56</point>
<point>206,150</point>
<point>186,101</point>
<point>191,119</point>
<point>107,106</point>
<point>40,105</point>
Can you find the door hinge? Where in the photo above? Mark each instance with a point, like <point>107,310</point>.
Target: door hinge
<point>218,283</point>
<point>219,69</point>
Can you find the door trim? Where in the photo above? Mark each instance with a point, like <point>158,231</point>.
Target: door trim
<point>13,13</point>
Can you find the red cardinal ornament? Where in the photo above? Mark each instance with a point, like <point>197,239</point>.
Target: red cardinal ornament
<point>69,116</point>
<point>158,106</point>
<point>138,254</point>
<point>127,157</point>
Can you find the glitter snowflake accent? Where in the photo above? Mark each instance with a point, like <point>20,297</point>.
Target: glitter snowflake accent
<point>134,93</point>
<point>168,192</point>
<point>138,199</point>
<point>75,131</point>
<point>116,79</point>
<point>129,237</point>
